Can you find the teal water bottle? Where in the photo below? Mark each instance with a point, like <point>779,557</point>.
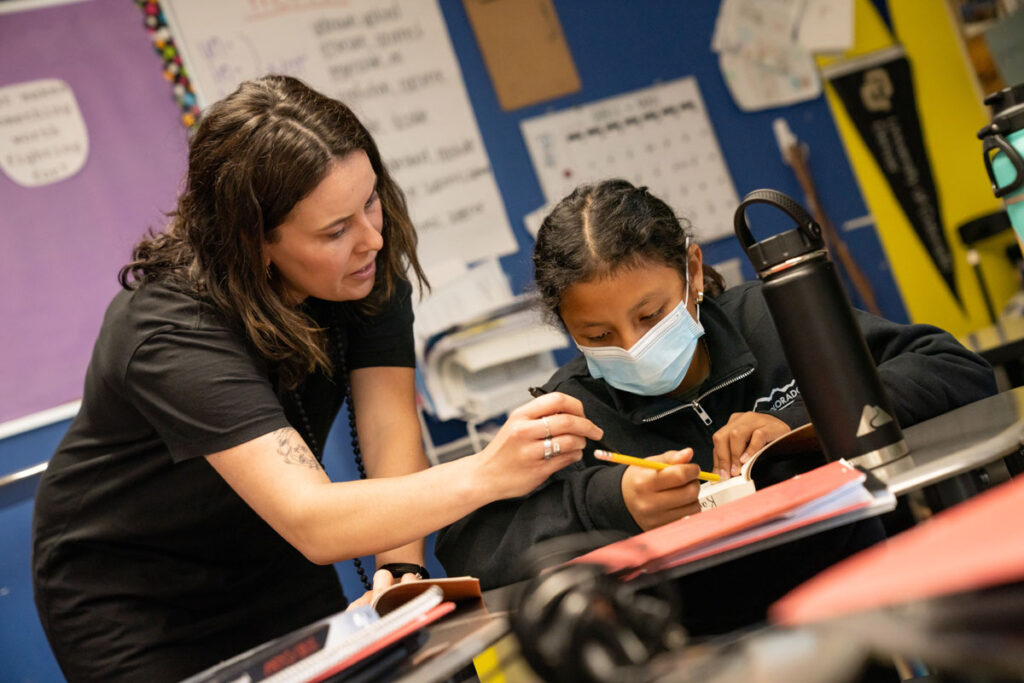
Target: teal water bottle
<point>1003,148</point>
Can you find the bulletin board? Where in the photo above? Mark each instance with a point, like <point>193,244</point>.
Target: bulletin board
<point>617,48</point>
<point>620,47</point>
<point>62,243</point>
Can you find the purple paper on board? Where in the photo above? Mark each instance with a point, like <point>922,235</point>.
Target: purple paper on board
<point>61,245</point>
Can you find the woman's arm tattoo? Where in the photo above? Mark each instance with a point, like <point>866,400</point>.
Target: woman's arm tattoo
<point>293,450</point>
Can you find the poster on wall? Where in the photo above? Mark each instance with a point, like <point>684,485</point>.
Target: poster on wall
<point>91,155</point>
<point>877,91</point>
<point>394,65</point>
<point>659,136</point>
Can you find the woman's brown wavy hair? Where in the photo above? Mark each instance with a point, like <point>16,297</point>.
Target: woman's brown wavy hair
<point>257,153</point>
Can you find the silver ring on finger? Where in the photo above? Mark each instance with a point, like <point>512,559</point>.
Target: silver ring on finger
<point>555,448</point>
<point>547,427</point>
<point>548,449</point>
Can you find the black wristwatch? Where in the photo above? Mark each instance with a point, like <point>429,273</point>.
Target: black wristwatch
<point>398,569</point>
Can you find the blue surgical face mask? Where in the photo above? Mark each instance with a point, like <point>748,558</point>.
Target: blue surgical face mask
<point>657,363</point>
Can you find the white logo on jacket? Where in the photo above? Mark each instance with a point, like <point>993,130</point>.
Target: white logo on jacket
<point>779,398</point>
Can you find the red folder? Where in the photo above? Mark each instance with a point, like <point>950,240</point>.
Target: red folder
<point>828,492</point>
<point>976,544</point>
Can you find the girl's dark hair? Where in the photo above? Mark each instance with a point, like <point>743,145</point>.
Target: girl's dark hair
<point>601,227</point>
<point>257,153</point>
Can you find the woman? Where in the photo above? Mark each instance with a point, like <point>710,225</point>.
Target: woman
<point>705,371</point>
<point>185,516</point>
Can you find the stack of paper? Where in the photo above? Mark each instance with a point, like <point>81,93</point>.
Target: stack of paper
<point>833,494</point>
<point>484,368</point>
<point>357,637</point>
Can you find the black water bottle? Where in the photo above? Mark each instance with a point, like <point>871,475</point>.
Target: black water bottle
<point>823,344</point>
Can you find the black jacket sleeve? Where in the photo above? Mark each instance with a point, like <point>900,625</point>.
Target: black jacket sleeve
<point>492,542</point>
<point>925,371</point>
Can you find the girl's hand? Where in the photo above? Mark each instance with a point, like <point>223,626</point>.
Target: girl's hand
<point>656,497</point>
<point>539,438</point>
<point>381,579</point>
<point>744,435</point>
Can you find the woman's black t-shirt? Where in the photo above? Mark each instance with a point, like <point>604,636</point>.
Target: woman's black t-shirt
<point>145,562</point>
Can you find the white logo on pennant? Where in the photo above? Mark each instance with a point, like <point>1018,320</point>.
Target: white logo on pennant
<point>871,419</point>
<point>877,90</point>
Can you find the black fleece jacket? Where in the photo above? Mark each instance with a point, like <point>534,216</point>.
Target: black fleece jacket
<point>925,372</point>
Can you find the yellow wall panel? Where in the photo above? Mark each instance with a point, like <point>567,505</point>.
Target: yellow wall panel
<point>951,112</point>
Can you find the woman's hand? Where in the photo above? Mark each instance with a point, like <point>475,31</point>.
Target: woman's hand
<point>744,435</point>
<point>539,438</point>
<point>656,497</point>
<point>381,580</point>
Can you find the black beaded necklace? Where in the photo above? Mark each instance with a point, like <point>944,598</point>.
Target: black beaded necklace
<point>335,345</point>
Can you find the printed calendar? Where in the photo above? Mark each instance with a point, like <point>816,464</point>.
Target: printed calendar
<point>659,136</point>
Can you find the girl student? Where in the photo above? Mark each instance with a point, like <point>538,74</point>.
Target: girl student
<point>670,361</point>
<point>185,516</point>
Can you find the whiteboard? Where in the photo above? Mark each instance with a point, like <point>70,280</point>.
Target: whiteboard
<point>394,65</point>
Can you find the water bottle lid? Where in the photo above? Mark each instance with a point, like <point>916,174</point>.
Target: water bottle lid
<point>779,248</point>
<point>1007,111</point>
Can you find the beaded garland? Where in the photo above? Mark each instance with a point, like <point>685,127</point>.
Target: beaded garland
<point>174,70</point>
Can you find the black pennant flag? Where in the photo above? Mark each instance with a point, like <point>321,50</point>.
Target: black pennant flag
<point>877,91</point>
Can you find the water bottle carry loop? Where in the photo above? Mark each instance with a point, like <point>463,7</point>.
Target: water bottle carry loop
<point>993,140</point>
<point>787,204</point>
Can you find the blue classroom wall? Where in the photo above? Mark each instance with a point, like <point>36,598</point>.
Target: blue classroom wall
<point>24,653</point>
<point>623,46</point>
<point>618,47</point>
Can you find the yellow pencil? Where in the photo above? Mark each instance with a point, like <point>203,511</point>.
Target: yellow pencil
<point>649,464</point>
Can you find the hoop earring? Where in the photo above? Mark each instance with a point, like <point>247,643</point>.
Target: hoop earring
<point>700,297</point>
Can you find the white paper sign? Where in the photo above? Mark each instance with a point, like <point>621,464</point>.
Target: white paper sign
<point>394,65</point>
<point>43,138</point>
<point>781,75</point>
<point>660,137</point>
<point>762,63</point>
<point>827,25</point>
